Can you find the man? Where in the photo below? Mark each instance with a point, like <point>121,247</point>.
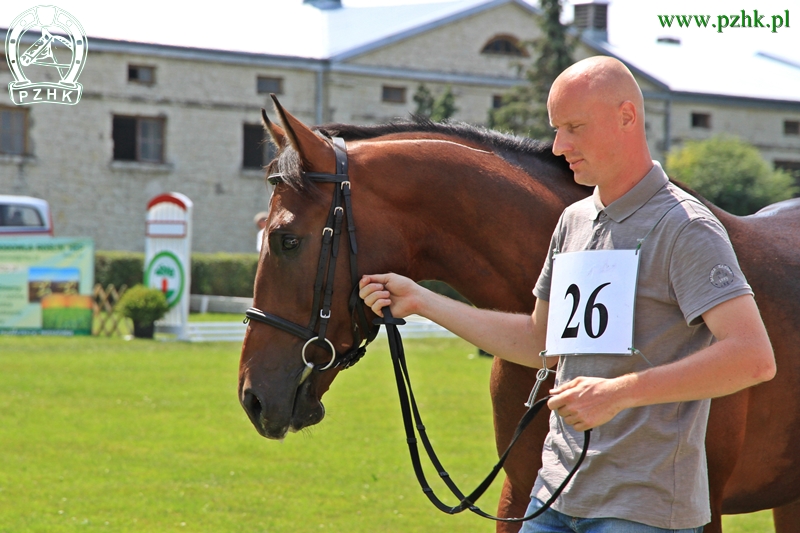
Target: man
<point>646,469</point>
<point>260,221</point>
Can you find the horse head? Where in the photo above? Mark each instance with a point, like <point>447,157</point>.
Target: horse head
<point>426,203</point>
<point>285,370</point>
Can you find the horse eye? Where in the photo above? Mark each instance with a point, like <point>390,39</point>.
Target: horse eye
<point>290,243</point>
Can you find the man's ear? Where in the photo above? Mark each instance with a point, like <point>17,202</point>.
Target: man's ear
<point>628,114</point>
<point>315,152</point>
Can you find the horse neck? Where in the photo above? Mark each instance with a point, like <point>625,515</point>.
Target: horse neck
<point>471,220</point>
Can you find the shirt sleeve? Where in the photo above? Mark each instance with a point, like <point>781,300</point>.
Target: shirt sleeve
<point>703,269</point>
<point>542,288</point>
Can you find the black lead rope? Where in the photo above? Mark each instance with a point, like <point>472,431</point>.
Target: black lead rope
<point>412,419</point>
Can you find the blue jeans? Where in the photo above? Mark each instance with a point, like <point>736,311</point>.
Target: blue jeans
<point>554,522</point>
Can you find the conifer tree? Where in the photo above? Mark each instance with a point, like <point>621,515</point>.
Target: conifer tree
<point>436,109</point>
<point>524,108</point>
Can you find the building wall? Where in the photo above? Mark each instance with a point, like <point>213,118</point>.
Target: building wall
<point>206,98</point>
<point>456,47</point>
<point>205,106</point>
<point>756,123</point>
<point>357,99</point>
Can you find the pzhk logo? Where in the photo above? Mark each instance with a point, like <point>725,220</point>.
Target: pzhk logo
<point>61,49</point>
<point>165,273</point>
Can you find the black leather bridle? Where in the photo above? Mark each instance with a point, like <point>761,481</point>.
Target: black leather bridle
<point>341,213</point>
<point>341,210</point>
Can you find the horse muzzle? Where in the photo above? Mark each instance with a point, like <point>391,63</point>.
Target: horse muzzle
<point>300,409</point>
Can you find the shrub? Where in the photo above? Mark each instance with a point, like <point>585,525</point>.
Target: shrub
<point>143,305</point>
<point>730,173</point>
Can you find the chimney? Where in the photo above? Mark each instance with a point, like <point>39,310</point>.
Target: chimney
<point>592,20</point>
<point>324,4</point>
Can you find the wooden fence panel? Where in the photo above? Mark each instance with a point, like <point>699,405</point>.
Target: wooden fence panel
<point>106,321</point>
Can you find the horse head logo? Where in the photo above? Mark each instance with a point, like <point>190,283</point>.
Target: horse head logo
<point>61,50</point>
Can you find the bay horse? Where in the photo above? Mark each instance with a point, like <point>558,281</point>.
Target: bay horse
<point>476,209</point>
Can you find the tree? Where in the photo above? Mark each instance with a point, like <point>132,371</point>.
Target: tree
<point>730,173</point>
<point>524,108</point>
<point>436,109</point>
<point>424,100</point>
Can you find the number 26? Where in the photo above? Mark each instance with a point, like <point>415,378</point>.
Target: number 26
<point>571,332</point>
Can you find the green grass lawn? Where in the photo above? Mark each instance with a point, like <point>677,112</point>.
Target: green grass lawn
<point>100,434</point>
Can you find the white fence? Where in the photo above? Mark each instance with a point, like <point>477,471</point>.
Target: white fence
<point>416,327</point>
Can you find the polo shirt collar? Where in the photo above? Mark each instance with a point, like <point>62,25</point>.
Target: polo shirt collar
<point>632,200</point>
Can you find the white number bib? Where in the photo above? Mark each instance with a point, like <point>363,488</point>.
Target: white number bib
<point>592,302</point>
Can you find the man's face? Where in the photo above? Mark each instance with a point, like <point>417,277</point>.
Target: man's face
<point>586,129</point>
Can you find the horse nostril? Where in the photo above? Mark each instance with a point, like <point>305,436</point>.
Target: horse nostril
<point>252,407</point>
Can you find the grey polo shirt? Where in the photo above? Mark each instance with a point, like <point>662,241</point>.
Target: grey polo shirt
<point>647,464</point>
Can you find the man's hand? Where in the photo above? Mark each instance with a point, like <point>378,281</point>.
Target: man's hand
<point>585,403</point>
<point>398,292</point>
<point>518,338</point>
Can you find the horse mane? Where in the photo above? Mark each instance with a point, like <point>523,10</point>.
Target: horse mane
<point>510,147</point>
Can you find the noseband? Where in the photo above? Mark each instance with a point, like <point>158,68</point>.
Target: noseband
<point>341,213</point>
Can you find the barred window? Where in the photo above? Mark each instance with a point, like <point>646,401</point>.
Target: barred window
<point>701,120</point>
<point>394,95</point>
<point>142,74</point>
<point>13,130</point>
<point>505,45</point>
<point>257,150</point>
<point>267,85</point>
<point>138,139</point>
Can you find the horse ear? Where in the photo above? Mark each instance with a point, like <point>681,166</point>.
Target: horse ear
<point>275,132</point>
<point>315,153</point>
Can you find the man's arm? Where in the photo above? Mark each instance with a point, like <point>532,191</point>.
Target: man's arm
<point>514,337</point>
<point>741,357</point>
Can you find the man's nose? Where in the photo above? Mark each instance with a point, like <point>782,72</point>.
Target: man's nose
<point>560,146</point>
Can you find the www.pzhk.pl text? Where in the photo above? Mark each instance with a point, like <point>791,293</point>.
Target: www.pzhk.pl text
<point>739,20</point>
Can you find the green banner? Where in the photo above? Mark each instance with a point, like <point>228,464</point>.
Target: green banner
<point>46,285</point>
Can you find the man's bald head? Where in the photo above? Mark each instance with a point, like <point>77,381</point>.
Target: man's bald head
<point>603,79</point>
<point>597,109</point>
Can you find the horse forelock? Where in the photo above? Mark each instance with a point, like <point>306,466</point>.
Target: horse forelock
<point>507,146</point>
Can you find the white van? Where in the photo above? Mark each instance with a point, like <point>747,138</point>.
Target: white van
<point>24,216</point>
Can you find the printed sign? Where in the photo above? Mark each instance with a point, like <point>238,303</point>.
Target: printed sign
<point>61,49</point>
<point>46,285</point>
<point>165,273</point>
<point>168,257</point>
<point>592,302</point>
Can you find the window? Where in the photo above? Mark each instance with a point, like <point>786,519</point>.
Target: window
<point>138,139</point>
<point>504,45</point>
<point>395,95</point>
<point>20,215</point>
<point>140,74</point>
<point>497,101</point>
<point>792,167</point>
<point>13,130</point>
<point>701,120</point>
<point>266,85</point>
<point>258,151</point>
<point>791,127</point>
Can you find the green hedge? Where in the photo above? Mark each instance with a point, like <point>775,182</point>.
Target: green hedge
<point>224,274</point>
<point>118,268</point>
<point>216,274</point>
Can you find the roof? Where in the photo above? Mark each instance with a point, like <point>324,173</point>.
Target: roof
<point>276,27</point>
<point>287,32</point>
<point>714,71</point>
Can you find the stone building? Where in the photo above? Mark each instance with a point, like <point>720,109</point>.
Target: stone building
<point>155,118</point>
